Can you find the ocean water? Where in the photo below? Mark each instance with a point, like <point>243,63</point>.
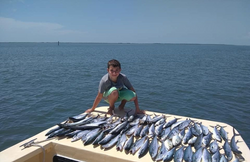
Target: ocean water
<point>41,84</point>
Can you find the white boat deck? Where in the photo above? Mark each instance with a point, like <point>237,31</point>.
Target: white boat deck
<point>77,150</point>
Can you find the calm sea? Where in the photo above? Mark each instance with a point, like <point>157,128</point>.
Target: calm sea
<point>41,84</point>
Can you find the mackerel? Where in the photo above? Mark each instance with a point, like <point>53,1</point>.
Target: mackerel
<point>223,133</point>
<point>128,144</point>
<point>169,155</point>
<point>144,148</point>
<point>216,134</point>
<point>187,136</point>
<point>228,150</point>
<point>137,145</point>
<point>144,131</point>
<point>197,155</point>
<point>216,156</point>
<point>206,157</point>
<point>153,147</point>
<point>151,130</point>
<point>188,154</point>
<point>178,155</point>
<point>106,139</point>
<point>169,123</point>
<point>112,142</point>
<point>233,145</point>
<point>121,142</point>
<point>213,147</point>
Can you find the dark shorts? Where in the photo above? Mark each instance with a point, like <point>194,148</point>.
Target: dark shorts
<point>124,94</point>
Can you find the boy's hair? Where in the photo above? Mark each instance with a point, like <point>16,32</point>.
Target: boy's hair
<point>114,63</point>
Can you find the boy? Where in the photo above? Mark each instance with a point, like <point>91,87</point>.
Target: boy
<point>111,89</point>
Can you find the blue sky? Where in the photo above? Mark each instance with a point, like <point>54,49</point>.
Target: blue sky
<point>126,21</point>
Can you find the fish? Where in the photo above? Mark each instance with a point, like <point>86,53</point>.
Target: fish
<point>138,131</point>
<point>80,135</point>
<point>165,133</point>
<point>157,118</point>
<point>176,124</point>
<point>228,151</point>
<point>178,155</point>
<point>143,119</point>
<point>144,131</point>
<point>53,130</point>
<point>77,118</point>
<point>198,142</point>
<point>144,148</point>
<point>196,129</point>
<point>233,145</point>
<point>197,155</point>
<point>204,129</point>
<point>176,140</point>
<point>112,142</point>
<point>169,123</point>
<point>99,138</point>
<point>135,122</point>
<point>119,128</point>
<point>137,145</point>
<point>121,142</point>
<point>184,124</point>
<point>161,121</point>
<point>216,156</point>
<point>128,144</point>
<point>132,130</point>
<point>216,134</point>
<point>206,140</point>
<point>188,154</point>
<point>153,147</point>
<point>188,135</point>
<point>168,144</point>
<point>131,118</point>
<point>162,152</point>
<point>223,158</point>
<point>168,156</point>
<point>158,129</point>
<point>151,131</point>
<point>206,157</point>
<point>223,133</point>
<point>192,140</point>
<point>106,139</point>
<point>81,122</point>
<point>213,147</point>
<point>91,136</point>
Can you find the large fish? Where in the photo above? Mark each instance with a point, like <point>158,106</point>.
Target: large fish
<point>128,144</point>
<point>213,147</point>
<point>216,134</point>
<point>106,139</point>
<point>187,136</point>
<point>169,155</point>
<point>206,157</point>
<point>184,124</point>
<point>178,155</point>
<point>228,150</point>
<point>112,142</point>
<point>169,123</point>
<point>151,131</point>
<point>233,145</point>
<point>216,156</point>
<point>144,148</point>
<point>197,155</point>
<point>137,145</point>
<point>206,139</point>
<point>153,147</point>
<point>80,135</point>
<point>119,128</point>
<point>144,131</point>
<point>162,152</point>
<point>99,138</point>
<point>188,154</point>
<point>198,142</point>
<point>91,136</point>
<point>121,142</point>
<point>223,133</point>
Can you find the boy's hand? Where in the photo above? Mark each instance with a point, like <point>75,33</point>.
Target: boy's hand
<point>89,110</point>
<point>139,112</point>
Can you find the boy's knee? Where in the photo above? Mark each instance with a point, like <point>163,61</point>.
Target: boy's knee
<point>114,93</point>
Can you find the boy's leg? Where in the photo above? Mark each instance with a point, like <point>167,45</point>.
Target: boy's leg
<point>111,97</point>
<point>124,96</point>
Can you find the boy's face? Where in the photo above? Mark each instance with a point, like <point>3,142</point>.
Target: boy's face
<point>114,72</point>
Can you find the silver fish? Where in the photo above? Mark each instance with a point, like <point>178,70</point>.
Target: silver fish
<point>153,147</point>
<point>176,124</point>
<point>144,148</point>
<point>169,123</point>
<point>206,157</point>
<point>228,150</point>
<point>223,133</point>
<point>204,129</point>
<point>144,119</point>
<point>144,131</point>
<point>206,140</point>
<point>196,130</point>
<point>197,155</point>
<point>79,135</point>
<point>176,140</point>
<point>157,118</point>
<point>216,134</point>
<point>132,130</point>
<point>161,121</point>
<point>213,147</point>
<point>216,156</point>
<point>223,158</point>
<point>135,122</point>
<point>92,136</point>
<point>99,138</point>
<point>165,133</point>
<point>233,145</point>
<point>119,128</point>
<point>158,129</point>
<point>184,124</point>
<point>151,130</point>
<point>162,152</point>
<point>198,142</point>
<point>112,142</point>
<point>178,155</point>
<point>192,140</point>
<point>106,139</point>
<point>121,142</point>
<point>169,155</point>
<point>137,145</point>
<point>168,144</point>
<point>187,136</point>
<point>138,131</point>
<point>129,143</point>
<point>188,154</point>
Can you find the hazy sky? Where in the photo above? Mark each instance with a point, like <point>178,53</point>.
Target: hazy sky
<point>126,21</point>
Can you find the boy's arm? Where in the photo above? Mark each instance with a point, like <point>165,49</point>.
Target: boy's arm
<point>96,102</point>
<point>137,109</point>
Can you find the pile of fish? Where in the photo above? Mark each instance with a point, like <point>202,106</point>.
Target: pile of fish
<point>163,139</point>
